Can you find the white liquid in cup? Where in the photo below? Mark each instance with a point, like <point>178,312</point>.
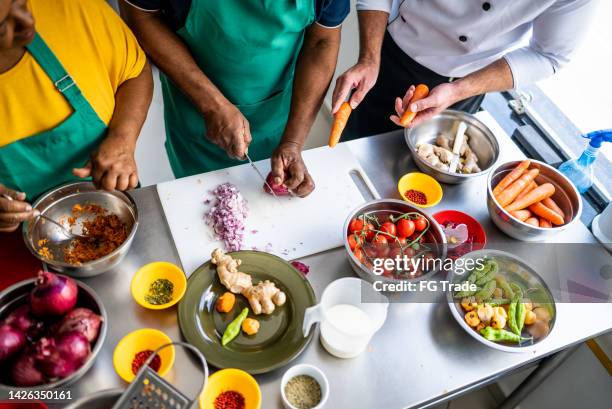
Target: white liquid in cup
<point>346,331</point>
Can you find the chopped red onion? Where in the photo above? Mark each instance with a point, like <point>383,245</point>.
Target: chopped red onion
<point>228,216</point>
<point>301,267</point>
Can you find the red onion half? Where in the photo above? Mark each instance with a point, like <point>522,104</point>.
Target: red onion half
<point>82,320</point>
<point>24,371</point>
<point>12,341</point>
<point>279,190</point>
<point>53,295</point>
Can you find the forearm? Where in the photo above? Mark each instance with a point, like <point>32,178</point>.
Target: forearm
<point>173,57</point>
<point>372,27</point>
<point>496,76</point>
<point>132,101</point>
<point>311,81</point>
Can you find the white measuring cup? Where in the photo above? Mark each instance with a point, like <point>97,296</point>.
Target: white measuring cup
<point>350,313</point>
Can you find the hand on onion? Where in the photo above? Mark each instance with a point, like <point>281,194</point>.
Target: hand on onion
<point>289,170</point>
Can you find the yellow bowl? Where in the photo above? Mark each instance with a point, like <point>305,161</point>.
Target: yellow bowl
<point>231,380</point>
<point>421,182</point>
<point>140,340</point>
<point>150,272</point>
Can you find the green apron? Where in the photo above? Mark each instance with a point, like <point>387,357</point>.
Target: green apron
<point>40,162</point>
<point>248,49</point>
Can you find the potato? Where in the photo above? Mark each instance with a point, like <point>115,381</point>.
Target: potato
<point>530,318</point>
<point>542,314</point>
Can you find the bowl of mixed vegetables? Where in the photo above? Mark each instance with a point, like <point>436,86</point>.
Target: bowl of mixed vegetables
<point>509,307</point>
<point>385,229</point>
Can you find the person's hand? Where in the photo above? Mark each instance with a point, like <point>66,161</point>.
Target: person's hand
<point>15,210</point>
<point>227,128</point>
<point>440,98</point>
<point>288,169</point>
<point>361,77</point>
<point>112,165</point>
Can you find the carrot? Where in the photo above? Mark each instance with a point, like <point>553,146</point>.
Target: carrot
<point>533,221</point>
<point>546,213</point>
<point>536,195</point>
<point>522,215</point>
<point>511,177</point>
<point>552,205</point>
<point>545,223</point>
<point>511,192</point>
<point>421,91</point>
<point>528,189</point>
<point>340,119</point>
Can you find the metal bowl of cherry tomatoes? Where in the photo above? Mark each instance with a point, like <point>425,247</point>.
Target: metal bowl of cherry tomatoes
<point>387,228</point>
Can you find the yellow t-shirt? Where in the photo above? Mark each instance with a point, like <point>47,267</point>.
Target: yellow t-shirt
<point>96,48</point>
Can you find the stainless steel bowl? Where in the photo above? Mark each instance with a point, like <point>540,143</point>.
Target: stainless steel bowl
<point>58,204</point>
<point>18,294</point>
<point>482,142</point>
<point>100,400</point>
<point>566,196</point>
<point>518,269</point>
<point>381,208</point>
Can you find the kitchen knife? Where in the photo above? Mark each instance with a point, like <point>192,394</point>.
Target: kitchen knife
<point>261,176</point>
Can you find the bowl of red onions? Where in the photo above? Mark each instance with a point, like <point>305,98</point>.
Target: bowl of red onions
<point>51,329</point>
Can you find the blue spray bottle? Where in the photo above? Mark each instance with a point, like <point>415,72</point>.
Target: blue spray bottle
<point>580,171</point>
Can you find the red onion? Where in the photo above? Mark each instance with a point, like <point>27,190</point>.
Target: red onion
<point>52,363</point>
<point>24,371</point>
<point>53,295</point>
<point>73,346</point>
<point>279,190</point>
<point>228,216</point>
<point>21,319</point>
<point>82,320</point>
<point>301,267</point>
<point>12,341</point>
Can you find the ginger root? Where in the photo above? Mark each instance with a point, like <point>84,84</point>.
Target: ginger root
<point>264,296</point>
<point>227,269</point>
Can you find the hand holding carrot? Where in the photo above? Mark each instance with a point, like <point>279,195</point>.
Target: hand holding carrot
<point>426,107</point>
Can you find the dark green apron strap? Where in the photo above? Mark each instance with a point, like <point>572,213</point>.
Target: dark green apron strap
<point>57,73</point>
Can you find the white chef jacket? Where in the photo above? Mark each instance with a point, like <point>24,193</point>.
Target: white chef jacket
<point>457,37</point>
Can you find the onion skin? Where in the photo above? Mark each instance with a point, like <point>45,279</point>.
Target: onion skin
<point>73,346</point>
<point>24,371</point>
<point>82,320</point>
<point>53,295</point>
<point>279,190</point>
<point>12,341</point>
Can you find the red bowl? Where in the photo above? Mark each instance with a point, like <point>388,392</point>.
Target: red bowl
<point>475,230</point>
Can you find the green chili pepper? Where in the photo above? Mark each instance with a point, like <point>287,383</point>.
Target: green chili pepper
<point>512,312</point>
<point>503,284</point>
<point>476,273</point>
<point>467,293</point>
<point>233,329</point>
<point>517,290</point>
<point>521,312</point>
<point>498,335</point>
<point>486,292</point>
<point>492,269</point>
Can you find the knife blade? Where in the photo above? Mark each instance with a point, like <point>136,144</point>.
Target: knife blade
<point>261,176</point>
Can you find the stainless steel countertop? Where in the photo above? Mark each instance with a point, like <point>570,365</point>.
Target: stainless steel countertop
<point>419,357</point>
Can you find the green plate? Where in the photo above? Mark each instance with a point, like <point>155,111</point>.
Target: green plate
<point>280,338</point>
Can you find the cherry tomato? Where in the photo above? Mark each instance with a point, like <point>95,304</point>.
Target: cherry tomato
<point>420,223</point>
<point>358,254</point>
<point>389,228</point>
<point>405,228</point>
<point>370,233</point>
<point>355,225</point>
<point>380,239</point>
<point>402,240</point>
<point>354,241</point>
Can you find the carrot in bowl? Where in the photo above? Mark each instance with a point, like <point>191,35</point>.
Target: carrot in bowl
<point>508,195</point>
<point>340,119</point>
<point>533,221</point>
<point>545,223</point>
<point>536,195</point>
<point>546,213</point>
<point>528,189</point>
<point>552,205</point>
<point>421,91</point>
<point>511,177</point>
<point>521,215</point>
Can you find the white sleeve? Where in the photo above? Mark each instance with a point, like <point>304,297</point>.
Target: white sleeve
<point>556,34</point>
<point>381,5</point>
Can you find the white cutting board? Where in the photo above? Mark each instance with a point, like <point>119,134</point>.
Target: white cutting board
<point>291,229</point>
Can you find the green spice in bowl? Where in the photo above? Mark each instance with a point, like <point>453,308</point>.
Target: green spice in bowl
<point>158,285</point>
<point>304,387</point>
